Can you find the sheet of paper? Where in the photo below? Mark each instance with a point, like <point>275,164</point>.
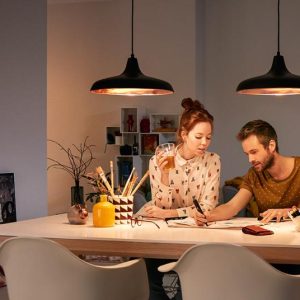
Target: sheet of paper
<point>234,223</point>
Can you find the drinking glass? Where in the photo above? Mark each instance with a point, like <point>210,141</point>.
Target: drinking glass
<point>167,150</point>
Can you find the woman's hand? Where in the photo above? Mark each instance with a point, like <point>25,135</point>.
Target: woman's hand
<point>277,214</point>
<point>154,211</point>
<point>162,161</point>
<point>201,219</point>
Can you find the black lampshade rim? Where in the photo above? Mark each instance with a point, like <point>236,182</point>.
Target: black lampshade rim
<point>278,81</point>
<point>132,78</point>
<point>277,78</point>
<point>132,82</point>
<point>266,81</point>
<point>140,82</point>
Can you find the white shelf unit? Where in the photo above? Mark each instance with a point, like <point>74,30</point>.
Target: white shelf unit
<point>124,164</point>
<point>163,129</point>
<point>125,117</point>
<point>164,123</point>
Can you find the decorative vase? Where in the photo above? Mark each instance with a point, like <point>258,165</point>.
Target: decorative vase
<point>77,194</point>
<point>145,125</point>
<point>103,213</point>
<point>77,214</point>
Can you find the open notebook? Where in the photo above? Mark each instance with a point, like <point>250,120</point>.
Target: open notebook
<point>233,223</point>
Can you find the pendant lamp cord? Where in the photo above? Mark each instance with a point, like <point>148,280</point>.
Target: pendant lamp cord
<point>132,11</point>
<point>278,27</point>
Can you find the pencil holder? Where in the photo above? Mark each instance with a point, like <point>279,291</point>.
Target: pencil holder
<point>123,208</point>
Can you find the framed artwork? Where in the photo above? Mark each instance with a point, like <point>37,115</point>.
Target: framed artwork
<point>7,198</point>
<point>111,133</point>
<point>149,143</point>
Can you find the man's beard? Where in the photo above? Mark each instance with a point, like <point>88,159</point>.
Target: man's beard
<point>268,163</point>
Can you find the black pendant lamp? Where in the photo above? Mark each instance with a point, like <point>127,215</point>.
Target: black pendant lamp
<point>132,82</point>
<point>278,81</point>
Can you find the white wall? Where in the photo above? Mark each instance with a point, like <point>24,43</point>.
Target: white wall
<point>204,48</point>
<point>240,42</point>
<point>23,102</point>
<point>90,41</point>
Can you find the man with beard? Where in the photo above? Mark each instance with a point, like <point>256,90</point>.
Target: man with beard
<point>273,180</point>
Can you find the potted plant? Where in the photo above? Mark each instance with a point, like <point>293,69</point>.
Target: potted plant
<point>79,158</point>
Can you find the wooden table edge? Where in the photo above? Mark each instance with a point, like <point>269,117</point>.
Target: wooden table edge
<point>286,255</point>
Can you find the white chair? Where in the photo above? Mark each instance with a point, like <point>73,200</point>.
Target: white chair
<point>3,288</point>
<point>3,293</point>
<point>224,271</point>
<point>41,269</point>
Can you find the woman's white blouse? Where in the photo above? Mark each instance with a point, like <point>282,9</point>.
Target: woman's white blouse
<point>198,178</point>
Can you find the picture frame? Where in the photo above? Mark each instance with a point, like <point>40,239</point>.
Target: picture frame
<point>111,133</point>
<point>149,143</point>
<point>7,198</point>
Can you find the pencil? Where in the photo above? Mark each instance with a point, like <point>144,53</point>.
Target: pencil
<point>131,185</point>
<point>140,183</point>
<point>111,174</point>
<point>127,182</point>
<point>106,183</point>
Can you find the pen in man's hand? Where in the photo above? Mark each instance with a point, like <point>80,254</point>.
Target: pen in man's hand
<point>199,209</point>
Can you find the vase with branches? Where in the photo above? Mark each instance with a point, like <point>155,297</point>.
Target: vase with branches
<point>78,160</point>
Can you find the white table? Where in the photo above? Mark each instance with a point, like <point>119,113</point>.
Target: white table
<point>149,241</point>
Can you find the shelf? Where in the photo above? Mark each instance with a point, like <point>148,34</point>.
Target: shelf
<point>149,142</point>
<point>129,120</point>
<point>162,129</point>
<point>111,133</point>
<point>164,123</point>
<point>125,163</point>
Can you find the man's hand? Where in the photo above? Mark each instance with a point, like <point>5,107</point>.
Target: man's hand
<point>277,214</point>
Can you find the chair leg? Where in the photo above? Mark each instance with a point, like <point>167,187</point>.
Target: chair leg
<point>162,286</point>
